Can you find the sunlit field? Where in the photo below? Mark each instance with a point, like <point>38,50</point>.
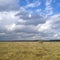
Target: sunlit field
<point>29,50</point>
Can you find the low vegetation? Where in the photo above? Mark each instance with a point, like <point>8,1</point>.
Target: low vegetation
<point>29,51</point>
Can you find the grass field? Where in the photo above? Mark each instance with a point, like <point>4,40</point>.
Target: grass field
<point>29,51</point>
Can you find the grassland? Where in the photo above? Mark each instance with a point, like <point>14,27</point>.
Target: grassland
<point>29,51</point>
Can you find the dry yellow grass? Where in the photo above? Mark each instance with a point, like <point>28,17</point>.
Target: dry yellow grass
<point>29,51</point>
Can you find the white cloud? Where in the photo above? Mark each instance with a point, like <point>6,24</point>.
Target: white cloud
<point>10,27</point>
<point>34,4</point>
<point>29,15</point>
<point>8,21</point>
<point>21,21</point>
<point>43,27</point>
<point>7,5</point>
<point>1,34</point>
<point>25,24</point>
<point>49,9</point>
<point>50,29</point>
<point>48,2</point>
<point>7,17</point>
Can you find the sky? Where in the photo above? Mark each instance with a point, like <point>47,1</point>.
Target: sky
<point>29,19</point>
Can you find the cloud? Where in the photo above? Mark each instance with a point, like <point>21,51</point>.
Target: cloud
<point>7,5</point>
<point>51,28</point>
<point>7,16</point>
<point>25,24</point>
<point>10,27</point>
<point>43,27</point>
<point>33,4</point>
<point>49,9</point>
<point>17,26</point>
<point>7,21</point>
<point>30,18</point>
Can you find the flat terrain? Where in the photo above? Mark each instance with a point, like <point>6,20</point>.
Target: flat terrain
<point>29,51</point>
